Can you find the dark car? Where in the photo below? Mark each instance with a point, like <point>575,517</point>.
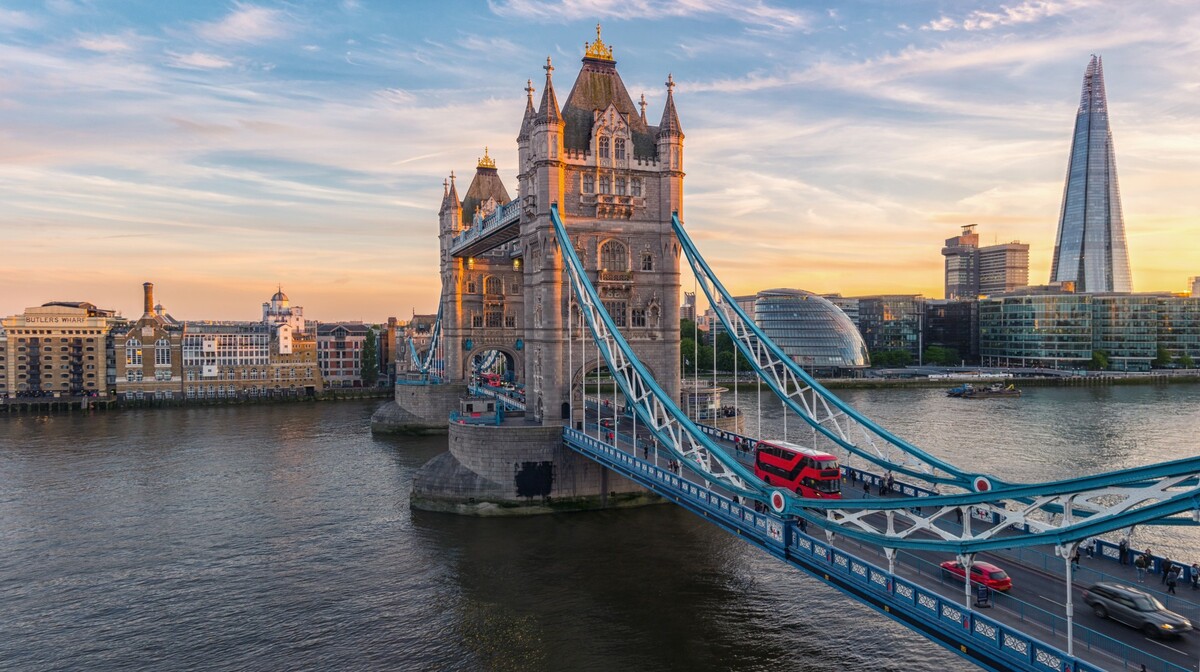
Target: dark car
<point>981,572</point>
<point>1135,608</point>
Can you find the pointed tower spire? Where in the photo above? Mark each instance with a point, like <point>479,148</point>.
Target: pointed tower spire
<point>670,119</point>
<point>548,111</point>
<point>1090,249</point>
<point>527,120</point>
<point>454,200</point>
<point>642,104</point>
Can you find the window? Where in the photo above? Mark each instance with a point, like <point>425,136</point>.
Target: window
<point>470,286</point>
<point>635,186</point>
<point>510,321</point>
<point>638,317</point>
<point>493,318</point>
<point>604,185</point>
<point>589,184</point>
<point>619,148</point>
<point>617,310</point>
<point>620,191</point>
<point>647,261</point>
<point>162,352</point>
<point>602,152</point>
<point>133,352</point>
<point>477,321</point>
<point>613,256</point>
<point>493,285</point>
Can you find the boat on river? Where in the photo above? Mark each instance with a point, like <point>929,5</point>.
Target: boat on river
<point>969,391</point>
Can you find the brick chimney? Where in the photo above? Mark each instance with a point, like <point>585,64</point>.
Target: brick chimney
<point>148,300</point>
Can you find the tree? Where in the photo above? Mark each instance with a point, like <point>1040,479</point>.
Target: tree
<point>370,359</point>
<point>1100,360</point>
<point>938,355</point>
<point>1163,359</point>
<point>687,354</point>
<point>687,328</point>
<point>1186,361</point>
<point>891,358</point>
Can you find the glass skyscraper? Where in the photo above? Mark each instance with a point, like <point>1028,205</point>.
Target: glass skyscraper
<point>1090,250</point>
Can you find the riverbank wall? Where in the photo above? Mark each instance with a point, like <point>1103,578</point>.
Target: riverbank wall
<point>48,405</point>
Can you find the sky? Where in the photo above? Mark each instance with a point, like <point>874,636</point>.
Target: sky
<point>219,149</point>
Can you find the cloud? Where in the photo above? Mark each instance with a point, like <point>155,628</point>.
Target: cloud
<point>13,20</point>
<point>752,12</point>
<point>1029,11</point>
<point>247,23</point>
<point>197,61</point>
<point>105,44</point>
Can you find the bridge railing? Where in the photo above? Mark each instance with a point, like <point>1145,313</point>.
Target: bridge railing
<point>504,214</point>
<point>817,557</point>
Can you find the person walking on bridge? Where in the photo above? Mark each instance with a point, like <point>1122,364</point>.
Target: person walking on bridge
<point>1172,579</point>
<point>1164,568</point>
<point>1139,566</point>
<point>1122,551</point>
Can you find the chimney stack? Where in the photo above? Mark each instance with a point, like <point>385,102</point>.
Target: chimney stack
<point>148,300</point>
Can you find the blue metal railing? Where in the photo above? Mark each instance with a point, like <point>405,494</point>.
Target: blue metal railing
<point>945,619</point>
<point>503,215</point>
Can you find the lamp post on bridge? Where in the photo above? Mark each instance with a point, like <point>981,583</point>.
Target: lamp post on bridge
<point>1068,551</point>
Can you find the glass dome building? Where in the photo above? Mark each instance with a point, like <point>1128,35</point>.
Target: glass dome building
<point>814,332</point>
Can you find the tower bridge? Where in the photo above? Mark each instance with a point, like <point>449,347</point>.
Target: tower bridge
<point>579,275</point>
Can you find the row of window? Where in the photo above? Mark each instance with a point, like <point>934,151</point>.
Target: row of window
<point>492,320</point>
<point>617,145</point>
<point>610,185</point>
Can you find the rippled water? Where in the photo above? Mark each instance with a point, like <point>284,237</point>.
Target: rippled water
<point>280,537</point>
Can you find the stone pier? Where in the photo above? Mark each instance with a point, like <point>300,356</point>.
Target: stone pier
<point>418,409</point>
<point>517,469</point>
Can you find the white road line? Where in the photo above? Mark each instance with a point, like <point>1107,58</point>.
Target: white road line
<point>1053,601</point>
<point>1155,641</point>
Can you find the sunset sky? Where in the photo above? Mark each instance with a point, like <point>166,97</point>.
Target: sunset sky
<point>220,148</point>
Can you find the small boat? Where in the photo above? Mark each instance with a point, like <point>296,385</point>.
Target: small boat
<point>969,391</point>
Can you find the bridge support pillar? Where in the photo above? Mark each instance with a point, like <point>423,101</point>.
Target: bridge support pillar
<point>418,409</point>
<point>518,469</point>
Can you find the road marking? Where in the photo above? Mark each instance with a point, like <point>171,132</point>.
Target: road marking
<point>1052,601</point>
<point>1155,641</point>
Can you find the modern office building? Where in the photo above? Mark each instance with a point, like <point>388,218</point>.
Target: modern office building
<point>953,325</point>
<point>1125,327</point>
<point>1028,329</point>
<point>972,270</point>
<point>1194,285</point>
<point>57,349</point>
<point>811,330</point>
<point>848,305</point>
<point>892,322</point>
<point>1090,249</point>
<point>687,310</point>
<point>1179,326</point>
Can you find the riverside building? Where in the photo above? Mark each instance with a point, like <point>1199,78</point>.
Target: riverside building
<point>56,350</point>
<point>149,354</point>
<point>811,330</point>
<point>972,270</point>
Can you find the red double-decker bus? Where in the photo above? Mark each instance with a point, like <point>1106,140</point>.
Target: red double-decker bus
<point>807,472</point>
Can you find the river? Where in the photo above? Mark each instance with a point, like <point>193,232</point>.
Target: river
<point>280,537</point>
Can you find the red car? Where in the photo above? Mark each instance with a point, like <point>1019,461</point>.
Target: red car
<point>981,572</point>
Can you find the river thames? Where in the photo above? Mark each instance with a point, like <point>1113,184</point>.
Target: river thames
<point>280,537</point>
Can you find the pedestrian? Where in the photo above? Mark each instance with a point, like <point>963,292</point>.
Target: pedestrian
<point>958,512</point>
<point>891,482</point>
<point>1172,579</point>
<point>1139,566</point>
<point>866,486</point>
<point>1122,551</point>
<point>1075,556</point>
<point>1090,545</point>
<point>1164,568</point>
<point>645,451</point>
<point>1195,576</point>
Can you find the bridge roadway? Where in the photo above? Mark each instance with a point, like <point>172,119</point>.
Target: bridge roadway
<point>1035,605</point>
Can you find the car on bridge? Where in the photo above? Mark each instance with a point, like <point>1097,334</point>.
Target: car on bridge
<point>981,572</point>
<point>1135,608</point>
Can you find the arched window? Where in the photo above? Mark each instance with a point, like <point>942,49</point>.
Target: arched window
<point>603,147</point>
<point>493,285</point>
<point>613,256</point>
<point>605,185</point>
<point>589,184</point>
<point>635,186</point>
<point>133,352</point>
<point>162,352</point>
<point>619,148</point>
<point>647,261</point>
<point>620,182</point>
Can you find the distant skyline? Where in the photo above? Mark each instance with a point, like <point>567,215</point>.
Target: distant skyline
<point>221,149</point>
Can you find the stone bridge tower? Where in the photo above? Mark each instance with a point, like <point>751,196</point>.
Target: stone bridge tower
<point>616,180</point>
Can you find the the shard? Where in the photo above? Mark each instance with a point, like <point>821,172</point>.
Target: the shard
<point>1090,250</point>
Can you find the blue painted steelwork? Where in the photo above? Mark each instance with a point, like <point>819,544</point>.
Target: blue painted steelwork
<point>978,638</point>
<point>719,296</point>
<point>429,368</point>
<point>504,220</point>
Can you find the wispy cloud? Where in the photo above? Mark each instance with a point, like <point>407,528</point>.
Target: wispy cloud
<point>106,44</point>
<point>11,19</point>
<point>751,12</point>
<point>1029,11</point>
<point>197,61</point>
<point>247,23</point>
